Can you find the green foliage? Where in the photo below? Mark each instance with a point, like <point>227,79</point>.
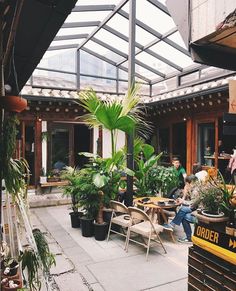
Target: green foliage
<point>144,165</point>
<point>14,170</point>
<point>31,262</point>
<point>227,194</point>
<point>46,257</point>
<point>211,197</point>
<point>72,189</point>
<point>163,179</point>
<point>124,115</point>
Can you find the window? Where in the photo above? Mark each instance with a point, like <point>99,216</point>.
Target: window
<point>206,143</point>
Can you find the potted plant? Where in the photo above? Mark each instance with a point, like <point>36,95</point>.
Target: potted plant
<point>74,177</point>
<point>211,198</point>
<point>46,257</point>
<point>105,178</point>
<point>43,176</point>
<point>31,262</point>
<point>10,268</point>
<point>11,285</point>
<point>14,171</point>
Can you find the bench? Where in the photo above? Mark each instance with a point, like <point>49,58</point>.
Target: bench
<point>53,184</point>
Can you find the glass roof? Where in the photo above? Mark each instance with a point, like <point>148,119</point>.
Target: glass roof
<point>100,34</point>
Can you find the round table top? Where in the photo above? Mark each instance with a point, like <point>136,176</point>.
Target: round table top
<point>153,202</point>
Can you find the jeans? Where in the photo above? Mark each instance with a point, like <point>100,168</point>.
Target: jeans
<point>185,217</point>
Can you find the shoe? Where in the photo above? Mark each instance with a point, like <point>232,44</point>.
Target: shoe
<point>168,226</point>
<point>184,240</point>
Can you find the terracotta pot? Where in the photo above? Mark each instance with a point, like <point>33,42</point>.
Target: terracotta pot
<point>13,103</point>
<point>6,287</point>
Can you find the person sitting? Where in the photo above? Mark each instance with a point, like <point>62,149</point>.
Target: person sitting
<point>201,174</point>
<point>189,203</point>
<point>58,167</point>
<point>180,172</point>
<point>232,166</point>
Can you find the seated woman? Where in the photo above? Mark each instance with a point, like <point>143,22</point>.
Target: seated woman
<point>189,202</point>
<point>201,174</point>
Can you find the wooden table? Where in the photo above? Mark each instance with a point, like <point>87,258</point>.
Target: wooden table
<point>157,208</point>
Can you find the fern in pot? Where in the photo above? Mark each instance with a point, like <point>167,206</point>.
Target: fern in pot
<point>211,199</point>
<point>73,176</point>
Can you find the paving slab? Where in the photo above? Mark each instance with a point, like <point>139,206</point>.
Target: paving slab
<point>179,285</point>
<point>106,266</point>
<point>55,248</point>
<point>63,265</point>
<point>71,282</point>
<point>135,273</point>
<point>97,287</point>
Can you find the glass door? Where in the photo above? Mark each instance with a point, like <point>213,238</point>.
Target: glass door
<point>206,144</point>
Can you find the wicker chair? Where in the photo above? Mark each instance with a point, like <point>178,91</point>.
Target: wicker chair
<point>120,216</point>
<point>141,224</point>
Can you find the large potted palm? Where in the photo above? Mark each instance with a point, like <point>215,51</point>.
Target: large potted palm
<point>105,174</point>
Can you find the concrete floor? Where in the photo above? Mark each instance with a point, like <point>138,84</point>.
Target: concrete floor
<point>87,264</point>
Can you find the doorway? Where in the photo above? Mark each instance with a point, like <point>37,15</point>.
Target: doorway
<point>82,142</point>
<point>179,142</point>
<point>29,153</point>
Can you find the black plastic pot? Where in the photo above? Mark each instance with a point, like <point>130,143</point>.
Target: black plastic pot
<point>107,218</point>
<point>87,227</point>
<point>75,219</point>
<point>100,231</point>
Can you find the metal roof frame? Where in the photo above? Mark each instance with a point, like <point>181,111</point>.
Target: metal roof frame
<point>103,24</point>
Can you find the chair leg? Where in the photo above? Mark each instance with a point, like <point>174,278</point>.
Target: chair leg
<point>148,247</point>
<point>109,231</point>
<point>159,238</point>
<point>127,240</point>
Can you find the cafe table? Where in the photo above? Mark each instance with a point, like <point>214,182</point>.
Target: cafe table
<point>157,205</point>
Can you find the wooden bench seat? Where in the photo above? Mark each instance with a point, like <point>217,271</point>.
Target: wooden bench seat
<point>54,184</point>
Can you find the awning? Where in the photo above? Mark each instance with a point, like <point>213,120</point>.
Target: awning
<point>216,49</point>
<point>38,23</point>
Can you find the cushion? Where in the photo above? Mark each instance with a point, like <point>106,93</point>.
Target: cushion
<point>121,220</point>
<point>144,228</point>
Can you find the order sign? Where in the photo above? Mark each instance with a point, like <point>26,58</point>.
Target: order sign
<point>215,242</point>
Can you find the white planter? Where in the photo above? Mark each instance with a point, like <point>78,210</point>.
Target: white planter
<point>42,179</point>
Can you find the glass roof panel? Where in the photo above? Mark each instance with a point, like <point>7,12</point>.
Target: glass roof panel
<point>63,60</point>
<point>176,37</point>
<point>75,30</point>
<point>155,63</point>
<point>103,51</point>
<point>113,40</point>
<point>142,71</point>
<point>98,84</point>
<point>143,37</point>
<point>66,42</point>
<point>54,79</point>
<point>87,16</point>
<point>172,54</point>
<point>92,65</point>
<point>95,2</point>
<point>153,17</point>
<point>119,23</point>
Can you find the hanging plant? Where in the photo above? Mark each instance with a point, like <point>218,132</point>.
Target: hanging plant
<point>46,257</point>
<point>14,170</point>
<point>31,262</point>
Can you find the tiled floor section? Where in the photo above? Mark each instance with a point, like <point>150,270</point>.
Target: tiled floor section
<point>87,264</point>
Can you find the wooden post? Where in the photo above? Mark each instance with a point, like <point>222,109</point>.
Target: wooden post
<point>189,145</point>
<point>37,150</point>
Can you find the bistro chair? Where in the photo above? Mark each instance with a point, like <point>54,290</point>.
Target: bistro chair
<point>141,224</point>
<point>120,216</point>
